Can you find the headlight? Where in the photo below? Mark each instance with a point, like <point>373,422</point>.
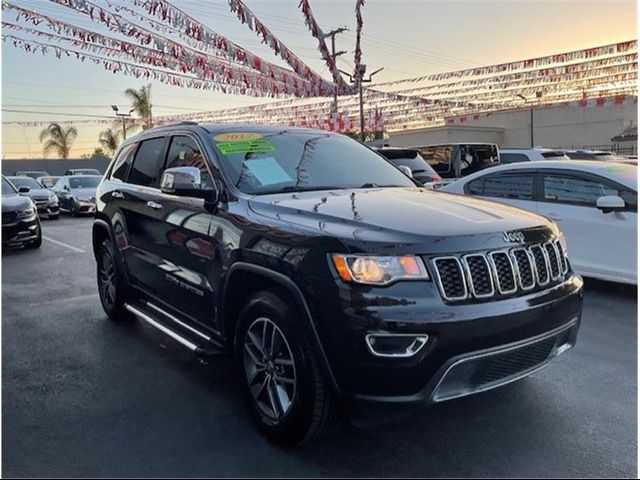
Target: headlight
<point>53,198</point>
<point>26,213</point>
<point>379,270</point>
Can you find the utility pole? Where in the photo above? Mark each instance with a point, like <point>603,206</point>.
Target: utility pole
<point>334,56</point>
<point>358,79</point>
<point>122,116</point>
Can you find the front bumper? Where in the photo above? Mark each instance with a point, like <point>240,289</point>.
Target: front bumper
<point>20,231</point>
<point>47,209</point>
<point>470,348</point>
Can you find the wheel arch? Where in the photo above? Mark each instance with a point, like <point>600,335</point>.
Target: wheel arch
<point>264,278</point>
<point>100,232</point>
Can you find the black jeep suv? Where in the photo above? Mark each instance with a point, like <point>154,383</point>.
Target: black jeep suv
<point>339,285</point>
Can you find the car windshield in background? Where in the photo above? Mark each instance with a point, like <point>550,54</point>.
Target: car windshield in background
<point>554,155</point>
<point>48,182</point>
<point>292,161</point>
<point>25,182</point>
<point>7,188</point>
<point>84,182</point>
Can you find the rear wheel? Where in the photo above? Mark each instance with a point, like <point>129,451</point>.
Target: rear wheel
<point>280,372</point>
<point>111,283</point>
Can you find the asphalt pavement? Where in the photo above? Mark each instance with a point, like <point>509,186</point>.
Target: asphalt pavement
<point>82,396</point>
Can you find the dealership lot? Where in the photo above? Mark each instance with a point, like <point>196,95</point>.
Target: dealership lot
<point>83,396</point>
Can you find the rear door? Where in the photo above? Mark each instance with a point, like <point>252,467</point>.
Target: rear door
<point>601,244</point>
<point>140,216</point>
<point>512,188</point>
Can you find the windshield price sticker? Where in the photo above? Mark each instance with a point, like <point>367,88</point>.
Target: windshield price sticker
<point>258,145</point>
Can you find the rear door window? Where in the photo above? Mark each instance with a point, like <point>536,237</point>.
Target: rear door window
<point>146,166</point>
<point>122,163</point>
<point>516,186</point>
<point>578,190</point>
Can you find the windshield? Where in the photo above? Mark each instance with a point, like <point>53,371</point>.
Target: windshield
<point>84,182</point>
<point>25,182</point>
<point>7,189</point>
<point>604,156</point>
<point>297,161</point>
<point>48,182</point>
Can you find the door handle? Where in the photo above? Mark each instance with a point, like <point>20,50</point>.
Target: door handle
<point>154,205</point>
<point>118,195</point>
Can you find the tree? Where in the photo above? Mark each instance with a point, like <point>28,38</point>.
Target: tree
<point>98,153</point>
<point>109,140</point>
<point>58,139</point>
<point>141,103</point>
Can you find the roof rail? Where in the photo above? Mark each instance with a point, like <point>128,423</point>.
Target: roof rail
<point>186,122</point>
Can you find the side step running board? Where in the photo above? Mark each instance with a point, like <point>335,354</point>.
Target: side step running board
<point>196,341</point>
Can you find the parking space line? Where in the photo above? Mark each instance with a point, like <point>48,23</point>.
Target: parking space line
<point>70,247</point>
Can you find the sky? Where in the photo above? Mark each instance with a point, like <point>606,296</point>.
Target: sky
<point>407,38</point>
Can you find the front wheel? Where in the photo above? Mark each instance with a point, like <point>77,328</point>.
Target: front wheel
<point>111,283</point>
<point>280,372</point>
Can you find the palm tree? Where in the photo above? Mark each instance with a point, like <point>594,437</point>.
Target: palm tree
<point>141,103</point>
<point>59,139</point>
<point>109,140</point>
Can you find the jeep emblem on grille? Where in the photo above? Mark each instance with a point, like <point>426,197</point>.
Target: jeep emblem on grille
<point>513,237</point>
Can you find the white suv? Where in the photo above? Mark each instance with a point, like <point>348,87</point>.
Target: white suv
<point>515,155</point>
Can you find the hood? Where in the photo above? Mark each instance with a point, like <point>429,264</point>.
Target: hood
<point>14,202</point>
<point>84,192</point>
<point>41,194</point>
<point>397,215</point>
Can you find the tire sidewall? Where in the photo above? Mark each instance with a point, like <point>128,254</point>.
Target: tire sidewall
<point>115,311</point>
<point>293,428</point>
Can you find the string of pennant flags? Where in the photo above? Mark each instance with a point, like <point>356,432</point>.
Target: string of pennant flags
<point>157,40</point>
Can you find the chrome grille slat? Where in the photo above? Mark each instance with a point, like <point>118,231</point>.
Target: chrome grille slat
<point>524,264</point>
<point>555,268</point>
<point>451,278</point>
<point>481,286</point>
<point>503,271</point>
<point>483,275</point>
<point>541,265</point>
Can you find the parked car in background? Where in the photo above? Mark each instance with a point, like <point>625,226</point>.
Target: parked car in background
<point>515,155</point>
<point>595,204</point>
<point>30,173</point>
<point>590,155</point>
<point>77,193</point>
<point>48,181</point>
<point>421,171</point>
<point>20,222</point>
<point>82,171</point>
<point>337,284</point>
<point>455,160</point>
<point>45,200</point>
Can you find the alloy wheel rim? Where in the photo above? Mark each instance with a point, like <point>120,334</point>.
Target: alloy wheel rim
<point>107,275</point>
<point>269,368</point>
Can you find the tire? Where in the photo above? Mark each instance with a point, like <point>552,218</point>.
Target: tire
<point>111,281</point>
<point>305,409</point>
<point>37,242</point>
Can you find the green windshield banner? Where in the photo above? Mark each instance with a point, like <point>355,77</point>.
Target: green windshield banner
<point>256,145</point>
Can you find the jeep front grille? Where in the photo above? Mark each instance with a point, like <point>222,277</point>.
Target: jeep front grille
<point>499,273</point>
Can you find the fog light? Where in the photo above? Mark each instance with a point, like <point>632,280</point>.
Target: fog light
<point>395,345</point>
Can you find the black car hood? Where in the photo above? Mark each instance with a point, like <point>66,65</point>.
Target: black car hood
<point>398,215</point>
<point>13,202</point>
<point>40,194</point>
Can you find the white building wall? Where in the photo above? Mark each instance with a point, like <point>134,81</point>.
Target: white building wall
<point>554,126</point>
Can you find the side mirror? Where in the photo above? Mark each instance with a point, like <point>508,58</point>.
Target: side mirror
<point>610,203</point>
<point>24,189</point>
<point>406,170</point>
<point>186,182</point>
